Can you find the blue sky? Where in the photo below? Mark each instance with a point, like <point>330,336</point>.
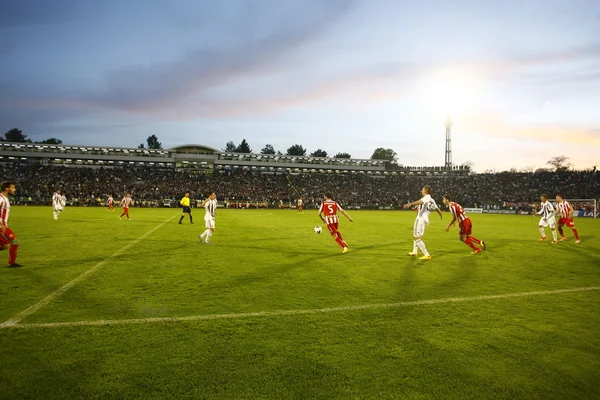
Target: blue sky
<point>521,79</point>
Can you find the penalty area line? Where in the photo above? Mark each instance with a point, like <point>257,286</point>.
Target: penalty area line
<point>295,312</point>
<point>59,292</point>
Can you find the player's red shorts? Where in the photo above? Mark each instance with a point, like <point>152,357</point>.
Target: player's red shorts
<point>125,209</point>
<point>567,221</point>
<point>465,227</point>
<point>333,228</point>
<point>299,208</point>
<point>7,237</point>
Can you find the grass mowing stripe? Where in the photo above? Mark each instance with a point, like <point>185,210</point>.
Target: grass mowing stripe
<point>294,312</point>
<point>59,292</point>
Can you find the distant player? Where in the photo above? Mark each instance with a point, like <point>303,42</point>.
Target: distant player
<point>565,209</point>
<point>210,205</point>
<point>329,208</point>
<point>110,203</point>
<point>300,205</point>
<point>7,236</point>
<point>185,203</point>
<point>125,203</point>
<point>57,204</point>
<point>426,206</point>
<point>465,225</point>
<point>547,213</point>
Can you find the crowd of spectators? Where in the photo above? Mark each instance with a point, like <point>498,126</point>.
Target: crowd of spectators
<point>84,185</point>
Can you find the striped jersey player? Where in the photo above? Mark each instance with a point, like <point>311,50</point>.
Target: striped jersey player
<point>56,204</point>
<point>425,206</point>
<point>7,236</point>
<point>126,203</point>
<point>547,213</point>
<point>210,205</point>
<point>465,226</point>
<point>328,214</point>
<point>565,211</point>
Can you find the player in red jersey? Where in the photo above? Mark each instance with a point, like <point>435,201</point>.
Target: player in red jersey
<point>565,209</point>
<point>465,226</point>
<point>110,202</point>
<point>7,236</point>
<point>330,209</point>
<point>125,203</point>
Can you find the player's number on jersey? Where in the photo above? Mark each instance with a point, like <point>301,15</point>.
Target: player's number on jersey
<point>330,206</point>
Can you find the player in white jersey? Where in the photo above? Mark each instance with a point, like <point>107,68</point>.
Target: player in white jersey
<point>210,205</point>
<point>56,203</point>
<point>7,236</point>
<point>426,206</point>
<point>547,213</point>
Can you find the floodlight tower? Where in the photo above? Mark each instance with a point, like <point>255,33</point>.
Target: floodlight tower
<point>448,143</point>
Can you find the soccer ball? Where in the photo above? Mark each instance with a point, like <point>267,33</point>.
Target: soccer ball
<point>318,229</point>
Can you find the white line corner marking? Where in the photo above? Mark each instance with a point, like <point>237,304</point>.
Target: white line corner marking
<point>59,292</point>
<point>291,312</point>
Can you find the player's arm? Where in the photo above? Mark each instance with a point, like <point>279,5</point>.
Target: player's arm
<point>414,203</point>
<point>451,222</point>
<point>439,212</point>
<point>346,214</point>
<point>321,213</point>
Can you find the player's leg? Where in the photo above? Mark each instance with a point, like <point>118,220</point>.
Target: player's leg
<point>415,248</point>
<point>190,214</point>
<point>340,240</point>
<point>552,225</point>
<point>182,215</point>
<point>333,230</point>
<point>571,224</point>
<point>541,226</point>
<point>419,232</point>
<point>10,240</point>
<point>560,230</point>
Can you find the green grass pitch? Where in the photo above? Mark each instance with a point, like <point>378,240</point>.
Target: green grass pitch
<point>311,337</point>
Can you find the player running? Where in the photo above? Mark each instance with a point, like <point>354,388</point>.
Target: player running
<point>110,203</point>
<point>300,205</point>
<point>210,205</point>
<point>56,204</point>
<point>330,208</point>
<point>7,236</point>
<point>565,209</point>
<point>185,203</point>
<point>465,225</point>
<point>426,206</point>
<point>125,203</point>
<point>547,213</point>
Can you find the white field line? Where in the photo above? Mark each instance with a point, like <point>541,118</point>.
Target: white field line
<point>59,292</point>
<point>294,312</point>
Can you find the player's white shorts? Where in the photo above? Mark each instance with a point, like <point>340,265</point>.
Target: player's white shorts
<point>419,227</point>
<point>210,222</point>
<point>57,207</point>
<point>551,222</point>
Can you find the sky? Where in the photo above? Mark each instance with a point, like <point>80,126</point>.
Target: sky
<point>519,79</point>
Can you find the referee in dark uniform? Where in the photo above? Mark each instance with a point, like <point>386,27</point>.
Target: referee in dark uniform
<point>185,203</point>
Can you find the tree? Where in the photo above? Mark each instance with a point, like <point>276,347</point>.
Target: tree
<point>153,142</point>
<point>15,135</point>
<point>268,149</point>
<point>342,155</point>
<point>230,147</point>
<point>296,150</point>
<point>244,147</point>
<point>384,154</point>
<point>318,153</point>
<point>141,146</point>
<point>560,163</point>
<point>51,141</point>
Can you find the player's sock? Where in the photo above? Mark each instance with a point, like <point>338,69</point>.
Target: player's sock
<point>121,216</point>
<point>414,247</point>
<point>470,242</point>
<point>127,215</point>
<point>554,234</point>
<point>208,235</point>
<point>542,231</point>
<point>191,221</point>
<point>575,233</point>
<point>560,230</point>
<point>12,252</point>
<point>421,245</point>
<point>181,219</point>
<point>343,242</point>
<point>474,240</point>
